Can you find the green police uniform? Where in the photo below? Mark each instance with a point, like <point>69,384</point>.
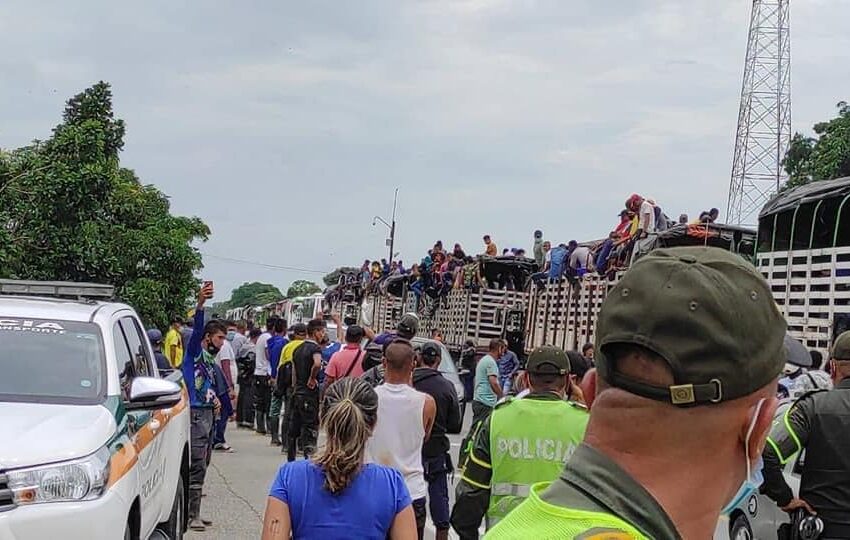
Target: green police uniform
<point>523,442</point>
<point>819,423</point>
<point>711,317</point>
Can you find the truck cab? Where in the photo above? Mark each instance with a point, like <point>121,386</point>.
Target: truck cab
<point>93,439</point>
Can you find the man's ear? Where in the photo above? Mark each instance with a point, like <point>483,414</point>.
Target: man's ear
<point>761,428</point>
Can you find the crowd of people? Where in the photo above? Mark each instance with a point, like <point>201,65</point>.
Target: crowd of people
<point>440,270</point>
<point>630,418</point>
<point>559,458</point>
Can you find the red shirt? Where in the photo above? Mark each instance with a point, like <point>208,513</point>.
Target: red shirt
<point>341,361</point>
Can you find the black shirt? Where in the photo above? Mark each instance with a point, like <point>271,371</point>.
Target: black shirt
<point>302,359</point>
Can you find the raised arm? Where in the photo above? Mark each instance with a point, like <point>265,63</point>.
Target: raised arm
<point>193,350</point>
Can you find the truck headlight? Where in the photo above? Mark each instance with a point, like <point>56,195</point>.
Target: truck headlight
<point>76,480</point>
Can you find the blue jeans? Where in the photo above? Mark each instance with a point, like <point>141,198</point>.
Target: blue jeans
<point>221,421</point>
<point>604,253</point>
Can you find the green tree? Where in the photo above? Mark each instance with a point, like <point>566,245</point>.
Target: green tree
<point>333,277</point>
<point>254,294</point>
<point>302,287</point>
<point>822,158</point>
<point>71,212</point>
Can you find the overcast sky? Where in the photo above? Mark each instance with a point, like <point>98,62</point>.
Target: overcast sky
<point>287,125</point>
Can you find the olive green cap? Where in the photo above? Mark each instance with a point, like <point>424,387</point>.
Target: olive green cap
<point>841,347</point>
<point>548,360</point>
<point>707,312</point>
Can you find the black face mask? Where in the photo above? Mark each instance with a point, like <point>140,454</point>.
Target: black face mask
<point>212,349</point>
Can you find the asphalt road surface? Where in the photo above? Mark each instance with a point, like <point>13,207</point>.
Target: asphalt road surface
<point>237,485</point>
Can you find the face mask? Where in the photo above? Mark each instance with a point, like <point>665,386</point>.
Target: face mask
<point>231,334</point>
<point>212,349</point>
<point>755,475</point>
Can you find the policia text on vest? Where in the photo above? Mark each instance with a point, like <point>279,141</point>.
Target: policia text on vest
<point>523,442</point>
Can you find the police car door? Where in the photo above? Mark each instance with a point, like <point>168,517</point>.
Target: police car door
<point>144,426</point>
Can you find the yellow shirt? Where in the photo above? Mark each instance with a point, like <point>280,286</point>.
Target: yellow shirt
<point>288,351</point>
<point>172,337</point>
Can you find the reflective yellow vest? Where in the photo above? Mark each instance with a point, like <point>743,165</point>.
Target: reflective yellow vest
<point>538,520</point>
<point>530,439</point>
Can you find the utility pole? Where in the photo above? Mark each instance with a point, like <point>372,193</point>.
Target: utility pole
<point>392,227</point>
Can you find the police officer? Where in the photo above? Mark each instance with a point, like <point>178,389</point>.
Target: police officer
<point>523,441</point>
<point>688,353</point>
<point>818,422</point>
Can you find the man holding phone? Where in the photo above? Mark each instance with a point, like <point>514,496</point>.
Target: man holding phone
<point>198,369</point>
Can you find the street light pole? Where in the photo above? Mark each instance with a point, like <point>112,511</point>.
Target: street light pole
<point>392,228</point>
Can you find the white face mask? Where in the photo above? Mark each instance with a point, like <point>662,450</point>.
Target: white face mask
<point>754,477</point>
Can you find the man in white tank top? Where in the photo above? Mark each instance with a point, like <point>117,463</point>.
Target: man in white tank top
<point>405,418</point>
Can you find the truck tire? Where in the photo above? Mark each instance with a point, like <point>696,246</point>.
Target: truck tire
<point>740,529</point>
<point>175,526</point>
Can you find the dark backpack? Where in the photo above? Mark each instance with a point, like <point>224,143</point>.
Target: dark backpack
<point>372,355</point>
<point>374,376</point>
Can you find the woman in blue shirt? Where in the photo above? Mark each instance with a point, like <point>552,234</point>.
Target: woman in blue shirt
<point>334,494</point>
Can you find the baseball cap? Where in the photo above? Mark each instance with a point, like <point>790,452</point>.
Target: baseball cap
<point>841,347</point>
<point>548,360</point>
<point>408,325</point>
<point>796,355</point>
<point>154,336</point>
<point>431,350</point>
<point>707,312</point>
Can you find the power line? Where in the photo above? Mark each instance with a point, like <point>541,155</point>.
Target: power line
<point>265,265</point>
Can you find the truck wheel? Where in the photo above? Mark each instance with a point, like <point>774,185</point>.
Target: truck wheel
<point>740,529</point>
<point>174,527</point>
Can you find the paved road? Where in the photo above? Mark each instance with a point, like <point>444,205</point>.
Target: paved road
<point>237,485</point>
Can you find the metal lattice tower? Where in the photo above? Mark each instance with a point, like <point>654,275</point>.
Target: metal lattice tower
<point>764,119</point>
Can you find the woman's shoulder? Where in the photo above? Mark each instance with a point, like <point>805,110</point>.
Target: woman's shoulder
<point>381,473</point>
<point>303,468</point>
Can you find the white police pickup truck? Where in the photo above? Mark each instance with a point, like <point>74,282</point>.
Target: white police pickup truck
<point>93,440</point>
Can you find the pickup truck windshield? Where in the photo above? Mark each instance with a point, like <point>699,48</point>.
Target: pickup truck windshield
<point>49,361</point>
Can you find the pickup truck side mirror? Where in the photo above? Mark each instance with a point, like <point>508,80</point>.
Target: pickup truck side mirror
<point>151,393</point>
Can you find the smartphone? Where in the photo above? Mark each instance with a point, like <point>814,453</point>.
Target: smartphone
<point>209,285</point>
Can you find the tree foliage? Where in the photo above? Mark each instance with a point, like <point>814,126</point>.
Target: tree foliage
<point>71,212</point>
<point>302,287</point>
<point>824,157</point>
<point>254,294</point>
<point>333,277</point>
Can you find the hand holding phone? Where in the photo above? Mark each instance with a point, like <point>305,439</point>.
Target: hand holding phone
<point>208,289</point>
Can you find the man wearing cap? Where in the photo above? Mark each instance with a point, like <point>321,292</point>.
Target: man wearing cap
<point>405,331</point>
<point>818,422</point>
<point>435,451</point>
<point>155,337</point>
<point>689,347</point>
<point>523,442</point>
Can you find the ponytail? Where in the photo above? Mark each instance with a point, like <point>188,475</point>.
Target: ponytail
<point>349,413</point>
